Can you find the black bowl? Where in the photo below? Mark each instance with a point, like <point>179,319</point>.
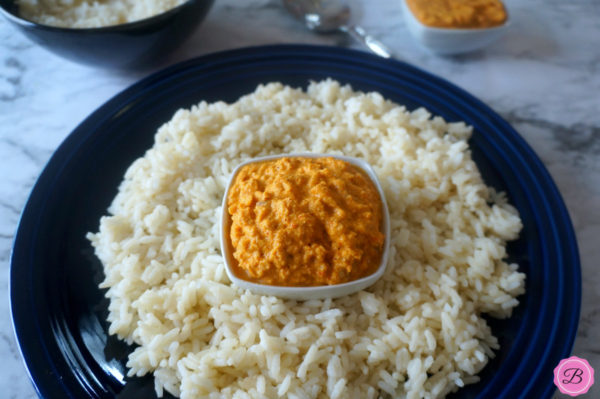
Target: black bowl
<point>131,45</point>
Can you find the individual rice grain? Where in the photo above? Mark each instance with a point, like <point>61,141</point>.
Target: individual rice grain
<point>417,333</point>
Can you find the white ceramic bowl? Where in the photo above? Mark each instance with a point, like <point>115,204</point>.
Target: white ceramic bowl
<point>448,41</point>
<point>306,293</point>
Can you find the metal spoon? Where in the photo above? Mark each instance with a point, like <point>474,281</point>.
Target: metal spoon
<point>326,16</point>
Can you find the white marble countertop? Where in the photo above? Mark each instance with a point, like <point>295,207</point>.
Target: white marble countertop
<point>543,76</point>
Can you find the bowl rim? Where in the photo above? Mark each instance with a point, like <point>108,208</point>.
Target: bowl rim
<point>409,16</point>
<point>140,23</point>
<point>308,292</point>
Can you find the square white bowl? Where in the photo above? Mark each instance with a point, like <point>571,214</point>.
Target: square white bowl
<point>311,292</point>
<point>448,41</point>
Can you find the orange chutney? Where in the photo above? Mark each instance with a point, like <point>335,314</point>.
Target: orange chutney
<point>458,13</point>
<point>298,221</point>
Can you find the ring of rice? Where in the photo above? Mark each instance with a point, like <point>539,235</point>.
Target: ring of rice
<point>417,333</point>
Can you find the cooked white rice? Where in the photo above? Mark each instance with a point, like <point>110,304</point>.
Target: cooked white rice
<point>92,13</point>
<point>417,333</point>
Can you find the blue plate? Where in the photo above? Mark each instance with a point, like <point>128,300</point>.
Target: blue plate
<point>59,313</point>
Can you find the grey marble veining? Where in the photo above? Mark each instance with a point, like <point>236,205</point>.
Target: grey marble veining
<point>543,77</point>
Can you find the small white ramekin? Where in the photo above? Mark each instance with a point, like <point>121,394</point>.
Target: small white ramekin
<point>305,293</point>
<point>448,41</point>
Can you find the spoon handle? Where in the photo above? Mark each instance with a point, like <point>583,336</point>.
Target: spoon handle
<point>373,44</point>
